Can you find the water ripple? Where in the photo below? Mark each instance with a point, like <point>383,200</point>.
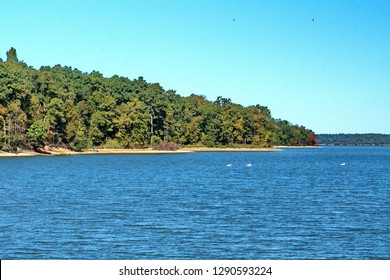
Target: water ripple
<point>298,204</point>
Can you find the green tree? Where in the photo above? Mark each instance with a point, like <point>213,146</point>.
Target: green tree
<point>12,56</point>
<point>99,127</point>
<point>154,97</point>
<point>194,118</point>
<point>75,131</point>
<point>17,124</point>
<point>3,131</point>
<point>56,120</point>
<point>131,123</point>
<point>37,134</point>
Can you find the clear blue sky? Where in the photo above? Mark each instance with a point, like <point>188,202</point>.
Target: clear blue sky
<point>331,74</point>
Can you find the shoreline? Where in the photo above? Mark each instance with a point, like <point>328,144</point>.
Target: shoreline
<point>103,151</point>
<point>67,152</point>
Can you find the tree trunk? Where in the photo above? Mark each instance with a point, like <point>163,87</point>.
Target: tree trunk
<point>151,125</point>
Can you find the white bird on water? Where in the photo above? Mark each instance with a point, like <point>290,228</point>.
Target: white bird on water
<point>249,164</point>
<point>229,165</point>
<point>343,164</point>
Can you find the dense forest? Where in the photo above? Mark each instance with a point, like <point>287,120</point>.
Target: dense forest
<point>369,139</point>
<point>62,106</point>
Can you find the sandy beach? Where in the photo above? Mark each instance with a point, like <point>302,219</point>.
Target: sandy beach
<point>19,154</point>
<point>64,152</point>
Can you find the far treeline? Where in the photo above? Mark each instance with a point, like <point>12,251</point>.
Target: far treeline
<point>62,106</point>
<point>369,139</point>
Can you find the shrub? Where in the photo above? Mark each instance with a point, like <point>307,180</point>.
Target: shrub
<point>155,140</point>
<point>112,144</point>
<point>169,146</point>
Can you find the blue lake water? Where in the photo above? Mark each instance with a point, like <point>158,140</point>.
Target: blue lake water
<point>295,204</point>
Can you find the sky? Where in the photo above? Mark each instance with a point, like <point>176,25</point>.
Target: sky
<point>321,64</point>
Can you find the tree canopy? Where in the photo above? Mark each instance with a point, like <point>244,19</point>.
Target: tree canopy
<point>61,105</point>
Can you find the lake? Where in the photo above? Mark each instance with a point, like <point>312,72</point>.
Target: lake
<point>293,204</point>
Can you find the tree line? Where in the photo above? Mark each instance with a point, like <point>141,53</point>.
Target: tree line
<point>62,106</point>
<point>368,139</point>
